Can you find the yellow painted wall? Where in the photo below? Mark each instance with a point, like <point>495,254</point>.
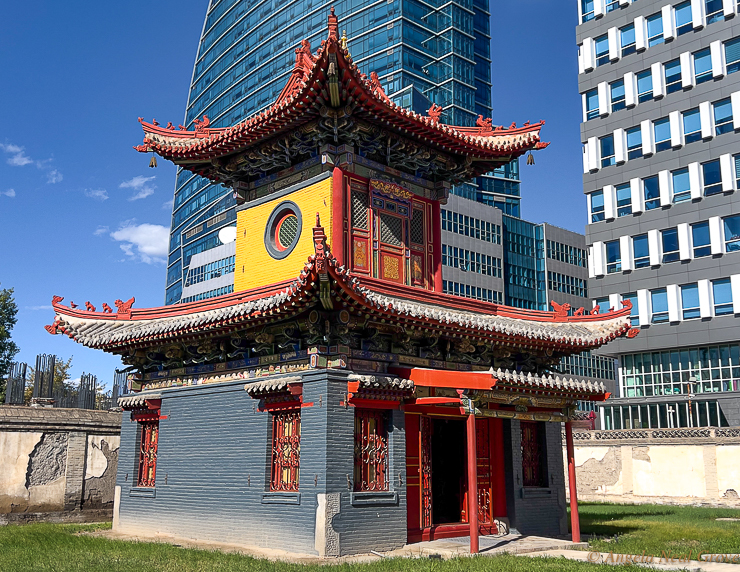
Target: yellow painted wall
<point>254,265</point>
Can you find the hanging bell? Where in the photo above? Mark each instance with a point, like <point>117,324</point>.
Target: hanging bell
<point>530,159</point>
<point>153,162</point>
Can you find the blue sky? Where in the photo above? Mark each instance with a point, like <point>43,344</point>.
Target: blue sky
<point>81,214</point>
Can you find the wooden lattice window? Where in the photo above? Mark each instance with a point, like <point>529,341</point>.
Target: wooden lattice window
<point>534,468</point>
<point>149,431</point>
<point>417,227</point>
<point>359,209</point>
<point>371,450</point>
<point>391,229</point>
<point>286,450</point>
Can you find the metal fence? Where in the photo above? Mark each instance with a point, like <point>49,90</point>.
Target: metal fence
<point>85,395</point>
<point>16,384</point>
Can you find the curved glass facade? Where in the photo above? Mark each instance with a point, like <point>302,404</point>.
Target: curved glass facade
<point>423,51</point>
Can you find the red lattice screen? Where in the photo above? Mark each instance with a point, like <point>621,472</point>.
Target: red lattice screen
<point>148,452</point>
<point>371,451</point>
<point>286,450</point>
<point>531,455</point>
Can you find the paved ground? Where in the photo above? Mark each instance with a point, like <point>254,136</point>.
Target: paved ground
<point>619,559</point>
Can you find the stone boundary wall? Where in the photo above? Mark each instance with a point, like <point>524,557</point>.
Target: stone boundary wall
<point>672,466</point>
<point>57,464</point>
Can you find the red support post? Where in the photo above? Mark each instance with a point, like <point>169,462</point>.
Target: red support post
<point>575,524</point>
<point>472,485</point>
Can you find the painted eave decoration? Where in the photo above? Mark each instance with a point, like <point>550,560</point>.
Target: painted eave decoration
<point>322,282</point>
<point>327,86</point>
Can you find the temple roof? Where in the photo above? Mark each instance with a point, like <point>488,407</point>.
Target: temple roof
<point>327,87</point>
<point>322,282</point>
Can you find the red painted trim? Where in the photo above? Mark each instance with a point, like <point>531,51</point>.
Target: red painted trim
<point>374,403</point>
<point>432,410</point>
<point>575,525</point>
<point>445,378</point>
<point>279,406</point>
<point>498,474</point>
<point>472,484</point>
<point>447,531</point>
<point>338,216</point>
<point>436,401</point>
<point>437,246</point>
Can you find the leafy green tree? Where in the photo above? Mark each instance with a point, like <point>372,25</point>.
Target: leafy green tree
<point>8,348</point>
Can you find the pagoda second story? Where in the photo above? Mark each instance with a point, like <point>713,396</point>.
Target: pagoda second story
<point>334,144</point>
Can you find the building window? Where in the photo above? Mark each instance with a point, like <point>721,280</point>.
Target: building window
<point>645,86</point>
<point>624,200</point>
<point>611,5</point>
<point>736,160</point>
<point>722,116</point>
<point>371,450</point>
<point>692,125</point>
<point>673,76</point>
<point>703,66</point>
<point>603,304</point>
<point>641,250</point>
<point>627,39</point>
<point>286,450</point>
<point>613,257</point>
<point>700,239</point>
<point>601,45</point>
<point>722,294</point>
<point>712,178</point>
<point>652,193</point>
<point>634,143</point>
<point>587,10</point>
<point>714,10</point>
<point>592,104</point>
<point>617,95</point>
<point>597,206</point>
<point>669,238</point>
<point>732,55</point>
<point>534,454</point>
<point>732,233</point>
<point>690,301</point>
<point>659,304</point>
<point>683,18</point>
<point>607,151</point>
<point>149,437</point>
<point>655,29</point>
<point>662,130</point>
<point>681,185</point>
<point>634,313</point>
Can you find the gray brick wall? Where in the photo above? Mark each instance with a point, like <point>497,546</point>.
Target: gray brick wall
<point>213,473</point>
<point>535,511</point>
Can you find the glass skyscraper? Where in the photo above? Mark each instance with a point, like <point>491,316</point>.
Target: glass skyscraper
<point>424,52</point>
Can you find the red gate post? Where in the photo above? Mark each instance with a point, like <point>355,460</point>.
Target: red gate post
<point>472,485</point>
<point>575,524</point>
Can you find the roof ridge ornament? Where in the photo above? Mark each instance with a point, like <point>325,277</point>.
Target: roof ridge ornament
<point>435,112</point>
<point>333,25</point>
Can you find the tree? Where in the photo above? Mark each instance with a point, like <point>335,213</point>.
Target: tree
<point>8,348</point>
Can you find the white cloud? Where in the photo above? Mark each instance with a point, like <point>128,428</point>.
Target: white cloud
<point>98,194</point>
<point>17,157</point>
<point>9,193</point>
<point>147,242</point>
<point>38,308</point>
<point>167,205</point>
<point>100,230</point>
<point>53,177</point>
<point>141,187</point>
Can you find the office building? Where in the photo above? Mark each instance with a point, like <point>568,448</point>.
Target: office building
<point>661,109</point>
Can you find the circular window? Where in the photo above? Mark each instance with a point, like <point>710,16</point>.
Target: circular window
<point>283,230</point>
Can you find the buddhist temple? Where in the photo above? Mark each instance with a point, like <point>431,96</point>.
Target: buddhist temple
<point>338,402</point>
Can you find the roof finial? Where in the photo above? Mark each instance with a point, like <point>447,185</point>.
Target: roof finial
<point>343,41</point>
<point>333,26</point>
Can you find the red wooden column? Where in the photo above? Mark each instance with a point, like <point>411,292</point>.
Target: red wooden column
<point>575,524</point>
<point>472,485</point>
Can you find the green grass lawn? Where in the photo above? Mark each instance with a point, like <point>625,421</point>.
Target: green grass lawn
<point>637,528</point>
<point>657,528</point>
<point>59,548</point>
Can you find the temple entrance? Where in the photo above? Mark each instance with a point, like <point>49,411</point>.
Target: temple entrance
<point>436,464</point>
<point>449,473</point>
